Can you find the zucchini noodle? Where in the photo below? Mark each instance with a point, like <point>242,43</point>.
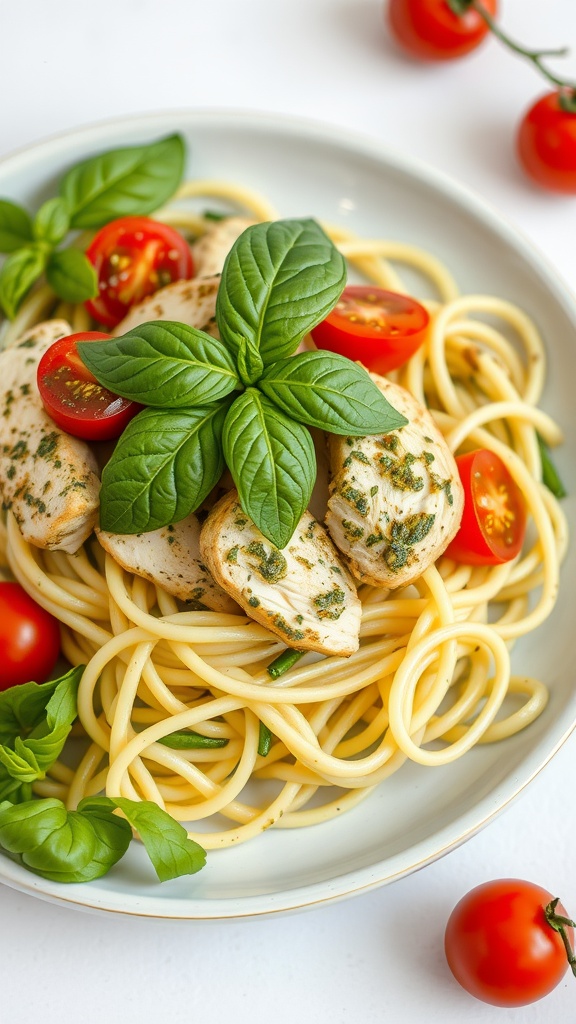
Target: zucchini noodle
<point>432,677</point>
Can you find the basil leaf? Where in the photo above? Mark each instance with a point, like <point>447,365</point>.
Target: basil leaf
<point>162,468</point>
<point>24,708</point>
<point>279,280</point>
<point>71,275</point>
<point>186,739</point>
<point>61,845</point>
<point>163,364</point>
<point>123,182</point>
<point>52,221</point>
<point>20,271</point>
<point>34,726</point>
<point>329,392</point>
<point>273,463</point>
<point>167,844</point>
<point>15,226</point>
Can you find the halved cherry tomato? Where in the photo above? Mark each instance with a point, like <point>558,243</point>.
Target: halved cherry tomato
<point>502,945</point>
<point>133,258</point>
<point>494,520</point>
<point>546,144</point>
<point>431,30</point>
<point>378,328</point>
<point>29,638</point>
<point>73,397</point>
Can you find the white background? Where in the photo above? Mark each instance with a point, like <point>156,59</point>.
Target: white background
<point>377,957</point>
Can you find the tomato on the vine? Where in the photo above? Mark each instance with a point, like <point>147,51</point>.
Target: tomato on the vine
<point>134,257</point>
<point>29,638</point>
<point>546,143</point>
<point>494,519</point>
<point>433,30</point>
<point>504,942</point>
<point>72,396</point>
<point>380,329</point>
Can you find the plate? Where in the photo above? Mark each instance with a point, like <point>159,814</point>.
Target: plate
<point>419,814</point>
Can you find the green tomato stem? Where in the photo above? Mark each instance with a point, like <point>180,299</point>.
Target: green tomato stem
<point>567,89</point>
<point>560,924</point>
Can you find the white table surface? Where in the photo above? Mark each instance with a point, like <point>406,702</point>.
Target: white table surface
<point>378,957</point>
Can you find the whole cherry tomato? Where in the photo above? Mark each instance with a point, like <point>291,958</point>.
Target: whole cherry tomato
<point>494,519</point>
<point>380,329</point>
<point>433,30</point>
<point>133,258</point>
<point>546,143</point>
<point>29,638</point>
<point>502,942</point>
<point>73,397</point>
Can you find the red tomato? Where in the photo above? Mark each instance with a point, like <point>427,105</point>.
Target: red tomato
<point>381,329</point>
<point>134,257</point>
<point>73,397</point>
<point>29,638</point>
<point>430,29</point>
<point>546,144</point>
<point>494,520</point>
<point>501,946</point>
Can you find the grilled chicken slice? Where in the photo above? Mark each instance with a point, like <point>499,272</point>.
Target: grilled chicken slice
<point>396,500</point>
<point>212,248</point>
<point>170,558</point>
<point>48,479</point>
<point>186,302</point>
<point>302,594</point>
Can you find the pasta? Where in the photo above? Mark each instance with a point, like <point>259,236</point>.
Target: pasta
<point>433,674</point>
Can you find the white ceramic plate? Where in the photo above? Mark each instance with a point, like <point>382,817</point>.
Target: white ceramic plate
<point>420,813</point>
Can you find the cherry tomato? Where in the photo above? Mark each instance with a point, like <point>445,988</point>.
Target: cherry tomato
<point>431,30</point>
<point>73,397</point>
<point>381,329</point>
<point>29,638</point>
<point>500,945</point>
<point>494,520</point>
<point>546,144</point>
<point>134,257</point>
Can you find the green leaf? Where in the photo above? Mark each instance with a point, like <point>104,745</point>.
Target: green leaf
<point>550,476</point>
<point>34,726</point>
<point>162,468</point>
<point>329,392</point>
<point>186,739</point>
<point>24,708</point>
<point>166,841</point>
<point>20,271</point>
<point>52,222</point>
<point>123,182</point>
<point>61,845</point>
<point>273,463</point>
<point>279,280</point>
<point>163,364</point>
<point>15,226</point>
<point>71,275</point>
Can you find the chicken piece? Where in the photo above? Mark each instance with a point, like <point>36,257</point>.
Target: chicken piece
<point>302,594</point>
<point>186,302</point>
<point>396,500</point>
<point>212,248</point>
<point>48,479</point>
<point>170,558</point>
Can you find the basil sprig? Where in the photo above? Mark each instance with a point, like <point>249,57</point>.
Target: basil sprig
<point>130,181</point>
<point>71,846</point>
<point>246,400</point>
<point>35,721</point>
<point>81,845</point>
